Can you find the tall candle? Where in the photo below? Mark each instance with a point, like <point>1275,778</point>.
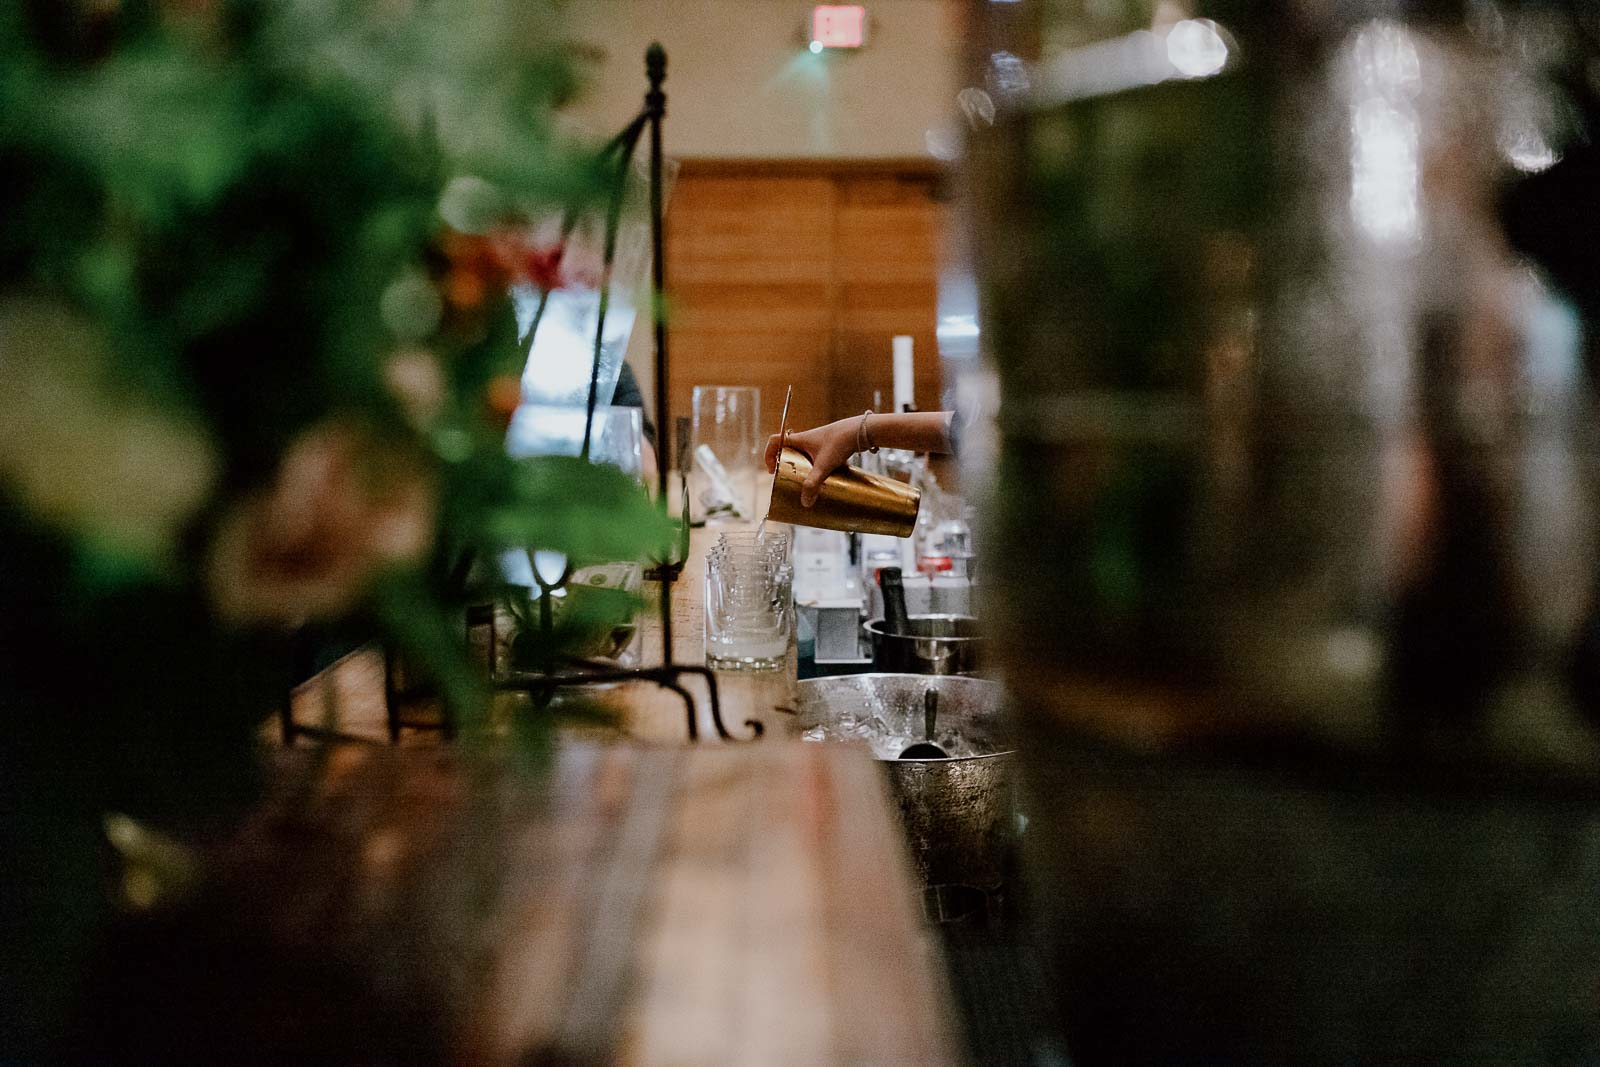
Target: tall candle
<point>904,380</point>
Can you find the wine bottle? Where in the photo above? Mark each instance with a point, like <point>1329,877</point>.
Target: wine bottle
<point>895,620</point>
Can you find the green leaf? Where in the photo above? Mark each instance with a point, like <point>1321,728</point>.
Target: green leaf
<point>591,513</point>
<point>424,631</point>
<point>102,566</point>
<point>587,621</point>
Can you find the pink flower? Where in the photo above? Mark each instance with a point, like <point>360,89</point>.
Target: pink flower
<point>527,262</point>
<point>342,508</point>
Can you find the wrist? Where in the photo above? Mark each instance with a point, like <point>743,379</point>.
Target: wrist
<point>863,437</point>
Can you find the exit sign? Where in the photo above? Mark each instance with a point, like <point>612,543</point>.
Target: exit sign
<point>838,26</point>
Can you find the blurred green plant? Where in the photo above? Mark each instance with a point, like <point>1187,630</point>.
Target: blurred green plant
<point>257,357</point>
<point>226,216</point>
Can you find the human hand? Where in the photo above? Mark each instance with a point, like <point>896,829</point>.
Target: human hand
<point>829,447</point>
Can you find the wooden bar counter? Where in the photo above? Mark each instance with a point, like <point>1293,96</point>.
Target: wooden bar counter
<point>639,901</point>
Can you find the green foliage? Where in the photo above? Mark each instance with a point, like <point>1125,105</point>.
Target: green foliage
<point>243,197</point>
<point>419,631</point>
<point>221,223</point>
<point>215,184</point>
<point>589,513</point>
<point>591,621</point>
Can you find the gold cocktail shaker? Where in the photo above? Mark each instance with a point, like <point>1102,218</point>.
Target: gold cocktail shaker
<point>850,499</point>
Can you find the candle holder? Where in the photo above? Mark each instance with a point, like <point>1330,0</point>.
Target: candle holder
<point>618,155</point>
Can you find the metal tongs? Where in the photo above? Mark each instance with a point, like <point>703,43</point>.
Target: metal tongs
<point>783,439</point>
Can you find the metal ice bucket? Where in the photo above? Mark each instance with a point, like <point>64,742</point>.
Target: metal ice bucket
<point>937,644</point>
<point>959,814</point>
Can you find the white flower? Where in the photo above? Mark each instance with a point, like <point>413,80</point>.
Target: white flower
<point>80,452</point>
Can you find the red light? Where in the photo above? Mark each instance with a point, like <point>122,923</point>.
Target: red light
<point>838,25</point>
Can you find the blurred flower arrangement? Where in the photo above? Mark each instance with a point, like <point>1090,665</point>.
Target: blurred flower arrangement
<point>255,273</point>
<point>257,356</point>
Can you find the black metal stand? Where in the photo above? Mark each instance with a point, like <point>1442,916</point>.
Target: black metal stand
<point>302,668</point>
<point>542,685</point>
<point>665,572</point>
<point>542,688</point>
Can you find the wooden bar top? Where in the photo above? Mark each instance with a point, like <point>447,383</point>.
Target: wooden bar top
<point>710,904</point>
<point>638,900</point>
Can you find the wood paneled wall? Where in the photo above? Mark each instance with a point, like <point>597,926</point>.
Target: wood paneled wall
<point>801,272</point>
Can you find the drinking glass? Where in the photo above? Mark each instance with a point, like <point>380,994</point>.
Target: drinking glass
<point>727,450</point>
<point>749,602</point>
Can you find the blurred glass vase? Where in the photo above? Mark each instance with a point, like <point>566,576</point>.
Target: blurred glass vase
<point>727,452</point>
<point>595,598</point>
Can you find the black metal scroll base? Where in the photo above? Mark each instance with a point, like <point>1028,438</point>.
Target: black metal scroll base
<point>542,687</point>
<point>290,730</point>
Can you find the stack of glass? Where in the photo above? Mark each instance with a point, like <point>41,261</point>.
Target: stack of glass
<point>749,601</point>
